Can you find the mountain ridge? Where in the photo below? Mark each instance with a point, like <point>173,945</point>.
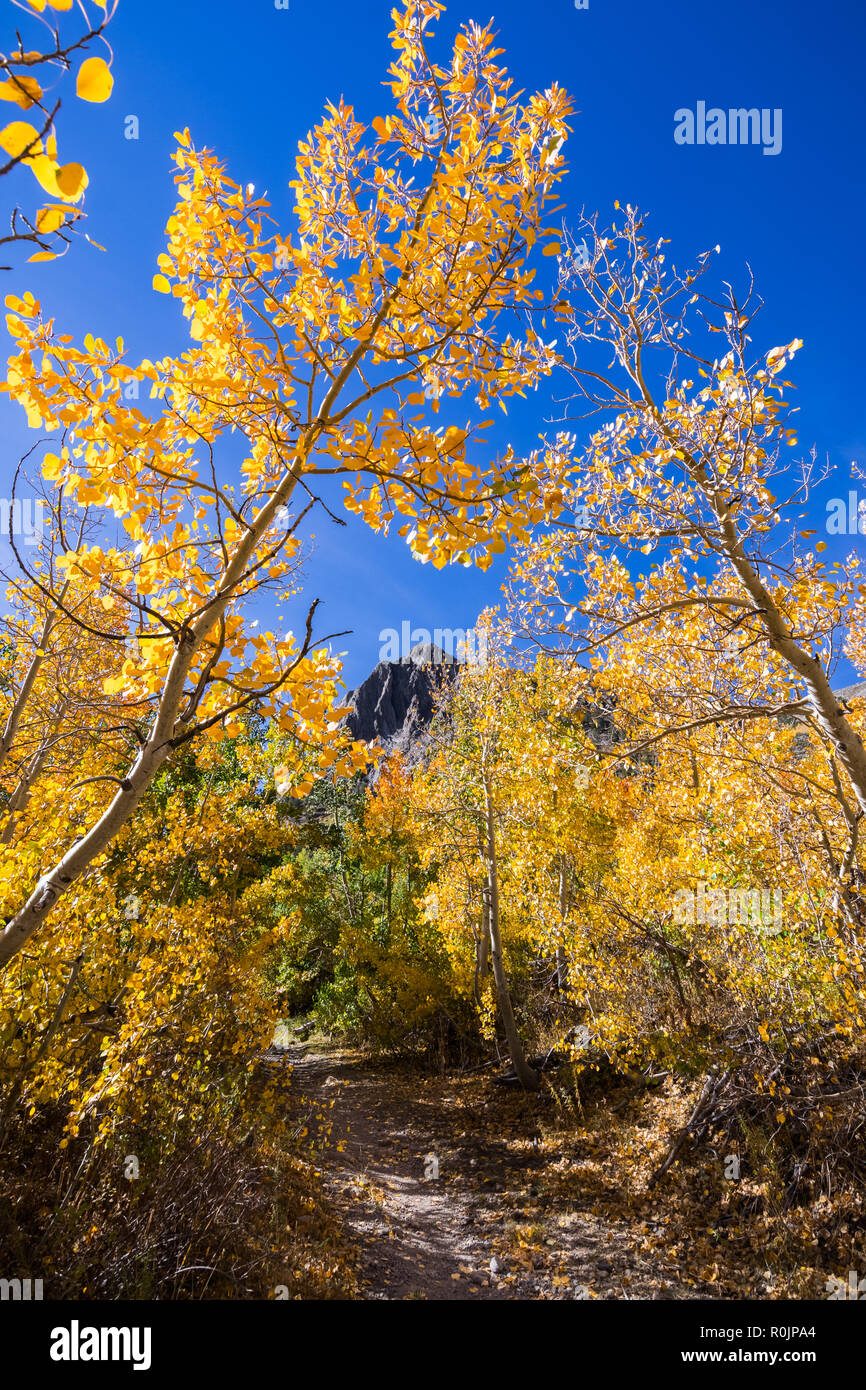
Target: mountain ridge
<point>395,704</point>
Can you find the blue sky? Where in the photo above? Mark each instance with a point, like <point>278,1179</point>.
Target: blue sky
<point>250,79</point>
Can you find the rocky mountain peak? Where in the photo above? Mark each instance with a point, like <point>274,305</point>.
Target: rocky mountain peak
<point>394,706</point>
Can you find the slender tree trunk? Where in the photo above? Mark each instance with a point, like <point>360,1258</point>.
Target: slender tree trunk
<point>481,937</point>
<point>482,948</point>
<point>20,798</point>
<point>150,758</point>
<point>830,717</point>
<point>524,1072</point>
<point>19,704</point>
<point>483,954</point>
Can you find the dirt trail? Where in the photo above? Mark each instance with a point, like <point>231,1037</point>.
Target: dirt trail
<point>495,1199</point>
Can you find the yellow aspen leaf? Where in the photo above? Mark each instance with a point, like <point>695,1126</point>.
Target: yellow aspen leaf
<point>48,219</point>
<point>45,173</point>
<point>72,181</point>
<point>19,136</point>
<point>22,89</point>
<point>94,82</point>
<point>161,284</point>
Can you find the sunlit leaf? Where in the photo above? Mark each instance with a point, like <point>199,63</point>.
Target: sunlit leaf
<point>19,136</point>
<point>94,80</point>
